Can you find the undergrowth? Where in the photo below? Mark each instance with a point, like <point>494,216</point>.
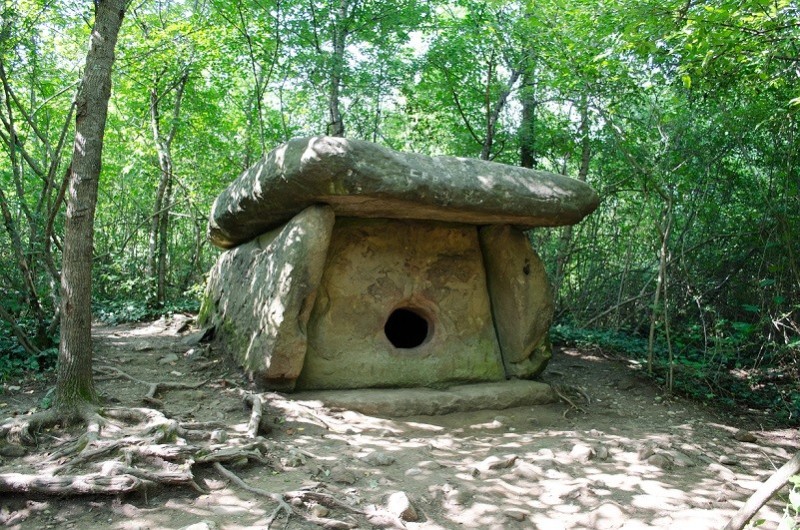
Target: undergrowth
<point>715,377</point>
<point>14,360</point>
<point>121,311</point>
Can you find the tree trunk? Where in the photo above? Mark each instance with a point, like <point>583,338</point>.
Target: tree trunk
<point>335,120</point>
<point>764,493</point>
<point>527,126</point>
<point>493,111</point>
<point>163,231</point>
<point>75,386</point>
<point>159,227</point>
<point>664,231</point>
<point>565,244</point>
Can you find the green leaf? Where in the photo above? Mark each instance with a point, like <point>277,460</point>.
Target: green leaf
<point>794,498</point>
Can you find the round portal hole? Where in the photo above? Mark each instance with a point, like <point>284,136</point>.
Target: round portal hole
<point>406,328</point>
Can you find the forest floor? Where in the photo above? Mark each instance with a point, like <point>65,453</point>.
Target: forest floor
<point>628,458</point>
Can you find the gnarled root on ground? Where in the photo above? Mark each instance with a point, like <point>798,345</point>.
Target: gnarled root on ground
<point>122,449</point>
<point>125,450</point>
<point>153,388</point>
<point>562,390</point>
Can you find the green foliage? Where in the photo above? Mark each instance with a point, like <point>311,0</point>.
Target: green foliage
<point>719,379</point>
<point>15,361</point>
<point>121,311</point>
<point>791,514</point>
<point>610,341</point>
<point>683,115</point>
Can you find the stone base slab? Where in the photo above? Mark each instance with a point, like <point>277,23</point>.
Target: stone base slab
<point>400,402</point>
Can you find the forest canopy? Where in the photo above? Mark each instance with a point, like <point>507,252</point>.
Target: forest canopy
<point>682,114</point>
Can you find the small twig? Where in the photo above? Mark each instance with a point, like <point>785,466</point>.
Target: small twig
<point>283,506</point>
<point>323,498</point>
<point>583,393</point>
<point>567,399</point>
<point>153,388</point>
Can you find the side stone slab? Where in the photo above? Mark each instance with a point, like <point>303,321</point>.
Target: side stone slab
<point>522,299</point>
<point>260,295</point>
<point>362,179</point>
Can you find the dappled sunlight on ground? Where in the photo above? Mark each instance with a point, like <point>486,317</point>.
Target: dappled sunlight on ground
<point>633,460</point>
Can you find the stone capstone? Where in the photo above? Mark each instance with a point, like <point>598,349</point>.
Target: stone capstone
<point>260,295</point>
<point>362,179</point>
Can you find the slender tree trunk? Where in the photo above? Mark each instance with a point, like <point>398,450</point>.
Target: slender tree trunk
<point>335,120</point>
<point>163,232</point>
<point>493,111</point>
<point>75,386</point>
<point>664,232</point>
<point>159,227</point>
<point>565,244</point>
<point>24,258</point>
<point>527,127</point>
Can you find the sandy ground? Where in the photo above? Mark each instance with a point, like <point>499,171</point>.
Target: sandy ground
<point>627,458</point>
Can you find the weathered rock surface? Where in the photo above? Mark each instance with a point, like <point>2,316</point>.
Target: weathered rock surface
<point>401,303</point>
<point>399,402</point>
<point>522,300</point>
<point>259,296</point>
<point>361,179</point>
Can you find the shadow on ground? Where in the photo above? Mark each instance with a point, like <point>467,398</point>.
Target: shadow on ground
<point>626,458</point>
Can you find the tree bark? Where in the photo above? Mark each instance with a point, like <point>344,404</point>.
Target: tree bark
<point>75,385</point>
<point>527,126</point>
<point>565,243</point>
<point>764,493</point>
<point>663,251</point>
<point>159,229</point>
<point>335,120</point>
<point>493,111</point>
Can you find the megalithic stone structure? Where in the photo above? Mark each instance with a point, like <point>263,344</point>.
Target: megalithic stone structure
<point>350,265</point>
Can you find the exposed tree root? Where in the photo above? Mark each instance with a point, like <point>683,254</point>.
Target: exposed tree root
<point>302,496</point>
<point>256,402</point>
<point>283,506</point>
<point>24,429</point>
<point>125,450</point>
<point>69,485</point>
<point>323,498</point>
<point>153,388</point>
<point>157,454</point>
<point>561,392</point>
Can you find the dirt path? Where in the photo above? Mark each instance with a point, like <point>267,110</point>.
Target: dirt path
<point>629,459</point>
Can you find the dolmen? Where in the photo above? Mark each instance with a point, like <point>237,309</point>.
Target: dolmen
<point>350,265</point>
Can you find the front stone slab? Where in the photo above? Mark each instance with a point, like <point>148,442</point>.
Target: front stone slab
<point>522,300</point>
<point>401,303</point>
<point>260,294</point>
